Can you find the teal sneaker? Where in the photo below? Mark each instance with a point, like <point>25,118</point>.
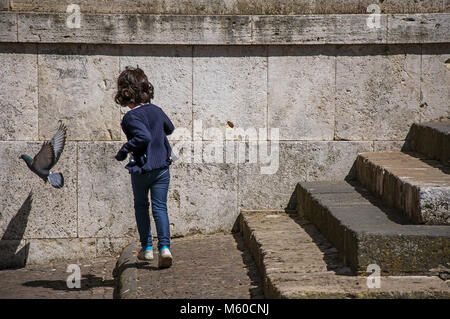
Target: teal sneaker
<point>145,255</point>
<point>165,258</point>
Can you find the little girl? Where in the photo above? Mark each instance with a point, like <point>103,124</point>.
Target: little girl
<point>146,127</point>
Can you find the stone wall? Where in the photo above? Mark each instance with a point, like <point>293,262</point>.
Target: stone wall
<point>329,102</point>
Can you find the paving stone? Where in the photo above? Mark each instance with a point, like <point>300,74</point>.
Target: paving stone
<point>48,281</point>
<point>213,266</point>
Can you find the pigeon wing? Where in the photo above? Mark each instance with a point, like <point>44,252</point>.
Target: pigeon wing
<point>58,141</point>
<point>45,159</point>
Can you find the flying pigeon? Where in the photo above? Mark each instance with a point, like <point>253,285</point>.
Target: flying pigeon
<point>47,157</point>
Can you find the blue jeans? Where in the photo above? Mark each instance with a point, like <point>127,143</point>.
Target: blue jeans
<point>157,181</point>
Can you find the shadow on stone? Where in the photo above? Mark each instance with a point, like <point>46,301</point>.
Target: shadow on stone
<point>330,253</point>
<point>256,292</point>
<point>87,282</point>
<point>10,241</point>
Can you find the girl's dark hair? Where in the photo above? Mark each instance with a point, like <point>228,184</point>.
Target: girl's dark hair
<point>133,87</point>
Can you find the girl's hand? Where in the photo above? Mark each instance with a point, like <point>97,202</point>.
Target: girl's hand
<point>121,155</point>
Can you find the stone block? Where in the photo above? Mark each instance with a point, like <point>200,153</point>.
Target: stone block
<point>203,7</point>
<point>135,28</point>
<point>29,208</point>
<point>49,250</point>
<point>301,91</point>
<point>362,113</point>
<point>8,26</point>
<point>105,196</point>
<point>169,69</point>
<point>333,160</point>
<point>77,84</point>
<point>272,191</point>
<point>389,146</point>
<point>108,246</point>
<point>318,29</point>
<point>407,6</point>
<point>418,187</point>
<point>230,85</point>
<point>18,92</point>
<point>435,82</point>
<point>202,198</point>
<point>418,28</point>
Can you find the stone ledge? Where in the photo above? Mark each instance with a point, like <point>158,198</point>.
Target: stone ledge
<point>125,274</point>
<point>202,7</point>
<point>417,186</point>
<point>224,29</point>
<point>432,139</point>
<point>296,261</point>
<point>365,231</point>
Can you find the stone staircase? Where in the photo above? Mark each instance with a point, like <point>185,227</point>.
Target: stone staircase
<point>394,216</point>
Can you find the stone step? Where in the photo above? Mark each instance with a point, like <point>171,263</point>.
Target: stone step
<point>417,186</point>
<point>296,261</point>
<point>365,231</point>
<point>431,139</point>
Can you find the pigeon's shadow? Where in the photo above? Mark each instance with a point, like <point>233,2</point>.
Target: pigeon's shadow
<point>10,241</point>
<point>87,282</point>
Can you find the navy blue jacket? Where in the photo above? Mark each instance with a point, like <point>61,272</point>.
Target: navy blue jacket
<point>146,127</point>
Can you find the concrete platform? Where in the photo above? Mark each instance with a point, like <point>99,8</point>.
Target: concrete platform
<point>432,139</point>
<point>297,261</point>
<point>365,231</point>
<point>417,186</point>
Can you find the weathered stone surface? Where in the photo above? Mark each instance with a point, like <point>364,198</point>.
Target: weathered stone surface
<point>230,85</point>
<point>301,91</point>
<point>296,261</point>
<point>202,198</point>
<point>435,82</point>
<point>432,139</point>
<point>420,188</point>
<point>8,27</point>
<point>138,29</point>
<point>271,191</point>
<point>232,29</point>
<point>77,85</point>
<point>200,7</point>
<point>105,196</point>
<point>331,161</point>
<point>169,69</point>
<point>365,231</point>
<point>389,146</point>
<point>29,208</point>
<point>362,113</point>
<point>407,6</point>
<point>108,246</point>
<point>47,250</point>
<point>18,92</point>
<point>317,29</point>
<point>418,28</point>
